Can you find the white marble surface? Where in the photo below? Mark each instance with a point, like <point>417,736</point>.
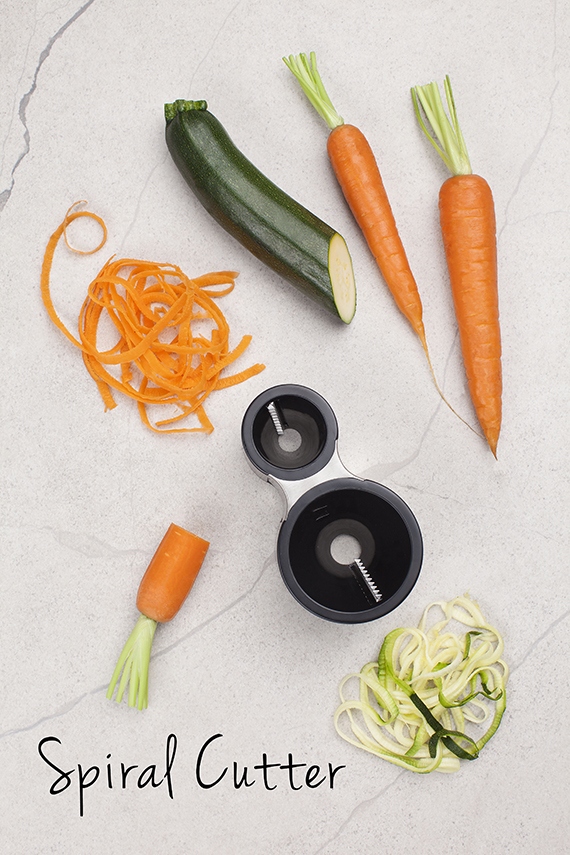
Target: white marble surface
<point>86,495</point>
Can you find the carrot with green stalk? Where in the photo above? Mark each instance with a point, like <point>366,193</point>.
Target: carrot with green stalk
<point>467,218</point>
<point>162,591</point>
<point>357,172</point>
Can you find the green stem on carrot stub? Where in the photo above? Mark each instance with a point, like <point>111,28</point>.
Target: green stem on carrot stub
<point>134,662</point>
<point>305,70</point>
<point>451,148</point>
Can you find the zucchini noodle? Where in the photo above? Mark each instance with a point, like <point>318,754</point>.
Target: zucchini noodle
<point>428,687</point>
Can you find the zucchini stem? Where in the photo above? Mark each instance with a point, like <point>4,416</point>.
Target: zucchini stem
<point>181,106</point>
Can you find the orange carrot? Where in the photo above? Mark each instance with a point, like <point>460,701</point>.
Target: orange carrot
<point>171,574</point>
<point>152,307</point>
<point>162,591</point>
<point>357,172</point>
<point>467,217</point>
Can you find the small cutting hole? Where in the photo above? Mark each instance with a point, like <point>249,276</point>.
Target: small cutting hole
<point>290,440</point>
<point>345,549</point>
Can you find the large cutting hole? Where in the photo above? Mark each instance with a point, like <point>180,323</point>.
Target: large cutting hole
<point>290,440</point>
<point>345,549</point>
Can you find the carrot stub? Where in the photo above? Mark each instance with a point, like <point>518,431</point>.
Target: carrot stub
<point>467,218</point>
<point>171,574</point>
<point>162,591</point>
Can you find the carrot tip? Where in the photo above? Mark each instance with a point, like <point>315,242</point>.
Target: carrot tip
<point>439,390</point>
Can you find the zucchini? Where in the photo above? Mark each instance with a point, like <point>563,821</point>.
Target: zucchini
<point>269,223</point>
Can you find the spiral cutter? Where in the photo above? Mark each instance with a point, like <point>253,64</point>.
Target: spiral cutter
<point>290,437</point>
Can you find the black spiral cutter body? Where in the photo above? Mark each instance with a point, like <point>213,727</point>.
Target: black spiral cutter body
<point>290,436</point>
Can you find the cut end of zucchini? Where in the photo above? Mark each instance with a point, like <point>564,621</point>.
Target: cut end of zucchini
<point>342,278</point>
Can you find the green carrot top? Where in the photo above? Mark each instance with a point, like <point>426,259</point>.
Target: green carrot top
<point>305,71</point>
<point>452,148</point>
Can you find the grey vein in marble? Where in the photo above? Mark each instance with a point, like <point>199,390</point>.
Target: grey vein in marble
<point>25,100</point>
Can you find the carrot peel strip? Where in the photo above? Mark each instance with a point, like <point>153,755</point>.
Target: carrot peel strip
<point>151,308</point>
<point>98,219</point>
